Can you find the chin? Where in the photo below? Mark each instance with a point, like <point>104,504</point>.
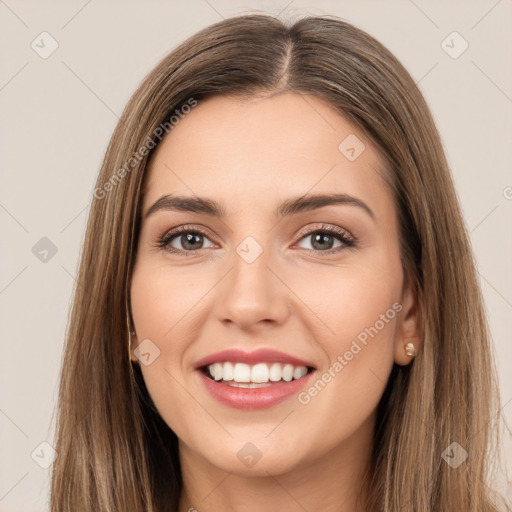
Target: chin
<point>254,455</point>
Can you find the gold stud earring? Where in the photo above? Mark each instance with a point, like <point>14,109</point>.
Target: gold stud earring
<point>410,349</point>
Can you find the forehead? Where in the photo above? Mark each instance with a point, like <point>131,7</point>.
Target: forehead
<point>269,148</point>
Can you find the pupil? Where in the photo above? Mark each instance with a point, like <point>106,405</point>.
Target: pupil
<point>189,239</point>
<point>324,240</point>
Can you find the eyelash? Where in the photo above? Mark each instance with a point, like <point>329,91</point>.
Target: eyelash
<point>343,236</point>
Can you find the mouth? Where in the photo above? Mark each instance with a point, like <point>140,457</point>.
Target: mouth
<point>259,375</point>
<point>253,380</point>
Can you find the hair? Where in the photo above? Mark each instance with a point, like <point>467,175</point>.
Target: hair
<point>114,451</point>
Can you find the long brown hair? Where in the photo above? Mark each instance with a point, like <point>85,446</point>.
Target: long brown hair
<point>114,451</point>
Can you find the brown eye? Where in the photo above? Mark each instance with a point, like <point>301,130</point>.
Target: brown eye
<point>190,241</point>
<point>183,240</point>
<point>327,239</point>
<point>322,241</point>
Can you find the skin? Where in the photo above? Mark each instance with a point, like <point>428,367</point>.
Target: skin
<point>250,156</point>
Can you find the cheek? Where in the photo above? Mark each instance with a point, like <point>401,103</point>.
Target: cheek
<point>348,389</point>
<point>352,303</point>
<point>164,301</point>
<point>165,306</point>
<point>357,310</point>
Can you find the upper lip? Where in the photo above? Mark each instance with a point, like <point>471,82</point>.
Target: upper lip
<point>261,355</point>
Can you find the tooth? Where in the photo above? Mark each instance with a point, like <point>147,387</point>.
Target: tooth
<point>228,371</point>
<point>275,372</point>
<point>217,371</point>
<point>248,385</point>
<point>259,373</point>
<point>242,372</point>
<point>299,372</point>
<point>288,372</point>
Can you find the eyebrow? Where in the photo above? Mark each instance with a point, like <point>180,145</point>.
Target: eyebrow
<point>288,207</point>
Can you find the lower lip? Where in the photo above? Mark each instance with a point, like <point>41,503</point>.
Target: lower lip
<point>254,398</point>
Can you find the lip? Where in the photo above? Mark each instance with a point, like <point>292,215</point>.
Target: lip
<point>262,355</point>
<point>254,398</point>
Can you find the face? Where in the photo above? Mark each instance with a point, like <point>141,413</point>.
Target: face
<point>267,294</point>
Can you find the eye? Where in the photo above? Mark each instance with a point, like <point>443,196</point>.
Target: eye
<point>188,241</point>
<point>184,240</point>
<point>327,239</point>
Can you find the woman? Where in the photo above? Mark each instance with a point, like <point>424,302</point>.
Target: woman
<point>278,306</point>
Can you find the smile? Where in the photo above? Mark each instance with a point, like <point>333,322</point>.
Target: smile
<point>255,376</point>
<point>253,380</point>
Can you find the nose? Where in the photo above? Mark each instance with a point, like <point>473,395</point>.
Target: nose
<point>252,296</point>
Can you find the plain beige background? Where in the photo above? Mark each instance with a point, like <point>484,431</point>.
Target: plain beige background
<point>57,115</point>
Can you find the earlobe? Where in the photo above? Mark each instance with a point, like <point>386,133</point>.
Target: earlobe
<point>132,337</point>
<point>404,354</point>
<point>132,344</point>
<point>408,339</point>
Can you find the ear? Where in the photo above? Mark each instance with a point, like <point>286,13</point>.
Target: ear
<point>408,328</point>
<point>134,344</point>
